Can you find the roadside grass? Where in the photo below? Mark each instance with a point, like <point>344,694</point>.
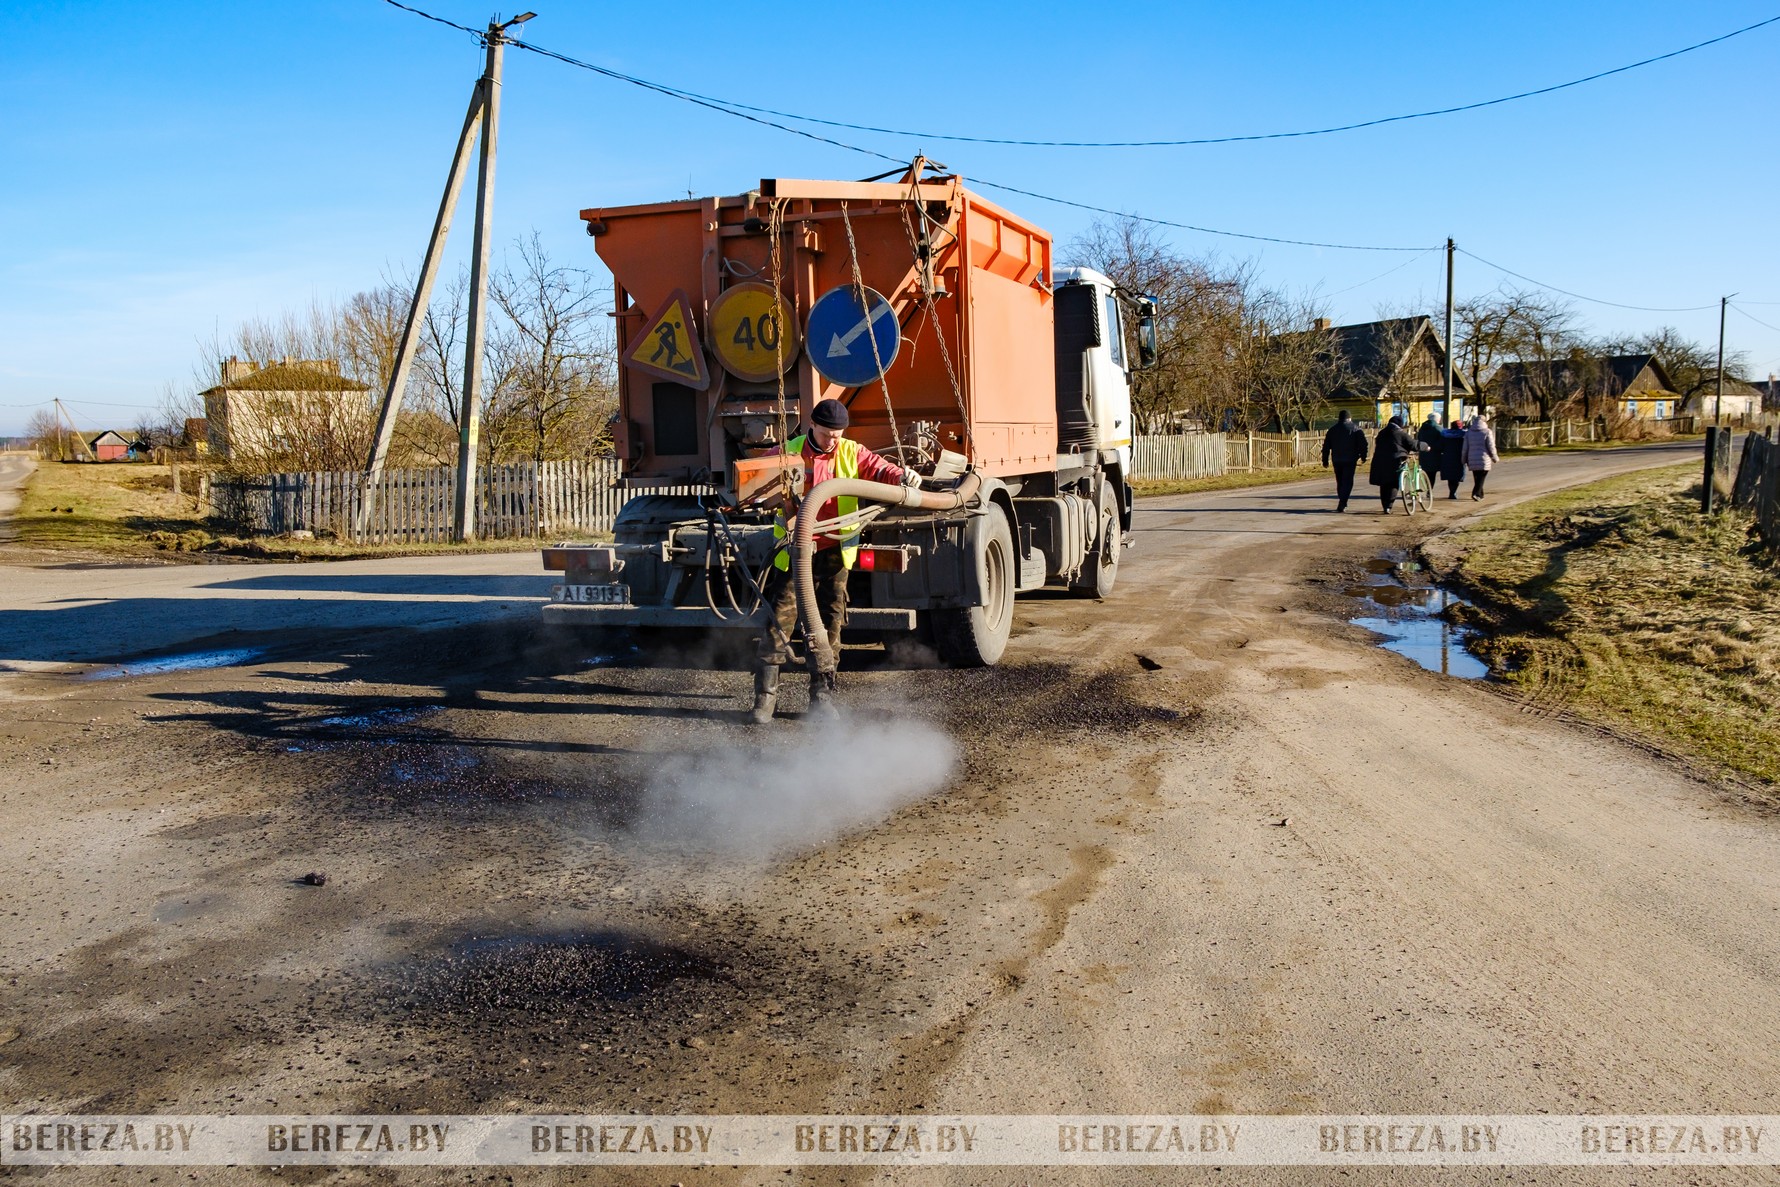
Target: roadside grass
<point>1231,481</point>
<point>1620,601</point>
<point>129,510</point>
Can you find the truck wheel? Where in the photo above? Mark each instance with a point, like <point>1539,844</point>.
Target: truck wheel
<point>1102,566</point>
<point>975,638</point>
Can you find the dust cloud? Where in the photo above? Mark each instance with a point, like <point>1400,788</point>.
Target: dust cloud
<point>792,789</point>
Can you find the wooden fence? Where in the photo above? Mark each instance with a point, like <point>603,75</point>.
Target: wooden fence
<point>1757,486</point>
<point>1178,456</point>
<point>524,499</point>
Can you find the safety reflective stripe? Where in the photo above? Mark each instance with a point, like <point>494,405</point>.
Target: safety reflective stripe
<point>846,465</point>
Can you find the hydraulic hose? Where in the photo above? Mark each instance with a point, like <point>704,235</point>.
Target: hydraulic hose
<point>803,540</point>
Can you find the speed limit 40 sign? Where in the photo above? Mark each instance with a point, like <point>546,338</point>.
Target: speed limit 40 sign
<point>754,332</point>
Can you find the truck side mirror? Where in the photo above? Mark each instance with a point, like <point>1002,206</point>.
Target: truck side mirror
<point>1146,333</point>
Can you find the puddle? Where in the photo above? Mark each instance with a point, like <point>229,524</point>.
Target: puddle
<point>528,973</point>
<point>1413,621</point>
<point>394,715</point>
<point>178,663</point>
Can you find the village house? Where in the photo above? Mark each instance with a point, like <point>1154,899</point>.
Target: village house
<point>1633,385</point>
<point>111,446</point>
<point>269,410</point>
<point>1741,400</point>
<point>1392,368</point>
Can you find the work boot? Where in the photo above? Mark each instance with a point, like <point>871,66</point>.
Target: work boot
<point>766,695</point>
<point>822,706</point>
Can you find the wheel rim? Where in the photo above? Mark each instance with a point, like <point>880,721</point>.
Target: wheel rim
<point>995,579</point>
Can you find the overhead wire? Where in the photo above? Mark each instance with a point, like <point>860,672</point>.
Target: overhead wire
<point>1583,297</point>
<point>738,107</point>
<point>1758,321</point>
<point>721,106</point>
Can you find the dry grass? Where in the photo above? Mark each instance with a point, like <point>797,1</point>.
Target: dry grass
<point>1231,481</point>
<point>1621,601</point>
<point>130,511</point>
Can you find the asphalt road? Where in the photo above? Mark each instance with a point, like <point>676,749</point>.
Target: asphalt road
<point>15,469</point>
<point>570,879</point>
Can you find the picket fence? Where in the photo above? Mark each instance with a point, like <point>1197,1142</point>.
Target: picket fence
<point>1179,456</point>
<point>524,499</point>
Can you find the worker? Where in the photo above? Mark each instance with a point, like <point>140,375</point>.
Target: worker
<point>826,453</point>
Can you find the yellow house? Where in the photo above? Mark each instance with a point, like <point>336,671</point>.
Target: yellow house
<point>1395,368</point>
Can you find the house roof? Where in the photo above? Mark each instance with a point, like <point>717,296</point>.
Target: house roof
<point>289,377</point>
<point>1617,372</point>
<point>1374,349</point>
<point>111,437</point>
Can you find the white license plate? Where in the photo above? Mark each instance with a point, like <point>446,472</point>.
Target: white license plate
<point>592,595</point>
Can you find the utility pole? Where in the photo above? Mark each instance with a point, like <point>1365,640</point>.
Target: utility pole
<point>1446,414</point>
<point>482,117</point>
<point>61,437</point>
<point>1718,406</point>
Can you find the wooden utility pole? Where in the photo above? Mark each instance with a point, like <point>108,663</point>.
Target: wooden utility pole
<point>1446,413</point>
<point>482,117</point>
<point>1718,404</point>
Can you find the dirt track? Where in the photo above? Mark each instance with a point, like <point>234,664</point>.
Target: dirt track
<point>1472,909</point>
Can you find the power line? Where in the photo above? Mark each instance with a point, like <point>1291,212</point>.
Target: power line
<point>725,108</point>
<point>1758,321</point>
<point>738,108</point>
<point>1350,288</point>
<point>1580,297</point>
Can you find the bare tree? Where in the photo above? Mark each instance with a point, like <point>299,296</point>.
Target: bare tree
<point>554,390</point>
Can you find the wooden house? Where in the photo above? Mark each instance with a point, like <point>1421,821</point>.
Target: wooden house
<point>1392,368</point>
<point>111,446</point>
<point>1633,385</point>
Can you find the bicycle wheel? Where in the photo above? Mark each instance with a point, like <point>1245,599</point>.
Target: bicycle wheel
<point>1406,493</point>
<point>1424,489</point>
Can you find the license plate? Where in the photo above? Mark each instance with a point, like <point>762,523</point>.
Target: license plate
<point>613,594</point>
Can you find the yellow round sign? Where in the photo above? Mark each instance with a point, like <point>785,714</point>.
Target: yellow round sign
<point>753,332</point>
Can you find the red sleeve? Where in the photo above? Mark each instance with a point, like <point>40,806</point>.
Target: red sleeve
<point>873,468</point>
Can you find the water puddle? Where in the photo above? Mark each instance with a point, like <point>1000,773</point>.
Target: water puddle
<point>179,663</point>
<point>1414,620</point>
<point>377,718</point>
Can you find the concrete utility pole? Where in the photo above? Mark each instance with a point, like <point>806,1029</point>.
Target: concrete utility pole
<point>1718,405</point>
<point>1446,413</point>
<point>482,117</point>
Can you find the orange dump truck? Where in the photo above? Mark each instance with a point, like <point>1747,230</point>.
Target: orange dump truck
<point>958,347</point>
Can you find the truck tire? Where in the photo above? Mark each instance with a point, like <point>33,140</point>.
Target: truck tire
<point>976,637</point>
<point>1101,568</point>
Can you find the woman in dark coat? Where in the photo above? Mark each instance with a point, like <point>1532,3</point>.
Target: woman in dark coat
<point>1393,445</point>
<point>1452,457</point>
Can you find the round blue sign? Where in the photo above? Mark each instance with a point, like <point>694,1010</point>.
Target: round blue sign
<point>852,343</point>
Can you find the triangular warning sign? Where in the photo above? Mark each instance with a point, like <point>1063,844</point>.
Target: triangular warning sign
<point>670,347</point>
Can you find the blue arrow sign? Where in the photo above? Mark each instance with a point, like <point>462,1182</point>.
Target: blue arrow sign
<point>842,332</point>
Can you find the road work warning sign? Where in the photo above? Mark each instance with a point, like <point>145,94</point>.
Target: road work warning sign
<point>669,346</point>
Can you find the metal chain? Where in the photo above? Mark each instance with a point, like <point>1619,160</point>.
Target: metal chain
<point>930,312</point>
<point>870,331</point>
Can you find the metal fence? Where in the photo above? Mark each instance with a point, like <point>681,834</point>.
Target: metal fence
<point>1757,486</point>
<point>522,500</point>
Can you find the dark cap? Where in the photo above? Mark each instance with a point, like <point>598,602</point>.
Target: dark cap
<point>830,414</point>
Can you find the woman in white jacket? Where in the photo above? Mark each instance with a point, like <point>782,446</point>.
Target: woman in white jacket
<point>1480,454</point>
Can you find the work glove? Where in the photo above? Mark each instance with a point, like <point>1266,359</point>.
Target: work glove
<point>911,476</point>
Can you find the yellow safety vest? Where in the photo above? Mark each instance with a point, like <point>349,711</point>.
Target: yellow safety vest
<point>846,465</point>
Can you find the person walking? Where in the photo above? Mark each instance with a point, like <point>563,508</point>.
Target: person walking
<point>1480,454</point>
<point>1452,457</point>
<point>1393,446</point>
<point>1344,447</point>
<point>827,453</point>
<point>1429,446</point>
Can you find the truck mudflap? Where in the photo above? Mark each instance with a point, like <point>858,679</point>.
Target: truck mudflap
<point>863,618</point>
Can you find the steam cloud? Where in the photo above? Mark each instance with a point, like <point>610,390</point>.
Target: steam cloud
<point>796,791</point>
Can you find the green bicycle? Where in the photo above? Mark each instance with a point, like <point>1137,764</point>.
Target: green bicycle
<point>1413,487</point>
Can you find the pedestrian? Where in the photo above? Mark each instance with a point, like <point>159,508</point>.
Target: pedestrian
<point>827,453</point>
<point>1344,447</point>
<point>1480,454</point>
<point>1392,448</point>
<point>1429,448</point>
<point>1452,457</point>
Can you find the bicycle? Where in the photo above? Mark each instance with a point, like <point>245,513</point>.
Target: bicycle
<point>1413,487</point>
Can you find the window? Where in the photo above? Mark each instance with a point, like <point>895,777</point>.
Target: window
<point>1631,408</point>
<point>1115,333</point>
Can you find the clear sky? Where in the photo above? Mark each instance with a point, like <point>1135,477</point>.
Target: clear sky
<point>174,169</point>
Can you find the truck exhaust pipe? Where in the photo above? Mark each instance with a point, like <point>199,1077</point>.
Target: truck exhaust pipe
<point>803,540</point>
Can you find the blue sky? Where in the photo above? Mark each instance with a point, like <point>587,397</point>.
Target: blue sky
<point>173,170</point>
